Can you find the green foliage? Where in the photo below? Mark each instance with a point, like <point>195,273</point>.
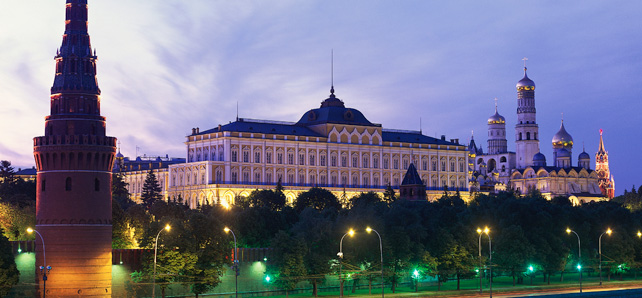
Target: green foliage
<point>266,198</point>
<point>317,198</point>
<point>9,274</point>
<point>389,195</point>
<point>151,190</point>
<point>119,192</point>
<point>287,266</point>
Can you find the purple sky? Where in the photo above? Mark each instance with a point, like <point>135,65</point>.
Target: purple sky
<point>168,66</point>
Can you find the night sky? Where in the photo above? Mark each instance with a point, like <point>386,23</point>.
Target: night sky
<point>168,66</point>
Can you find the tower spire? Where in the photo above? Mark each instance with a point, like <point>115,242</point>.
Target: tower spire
<point>332,73</point>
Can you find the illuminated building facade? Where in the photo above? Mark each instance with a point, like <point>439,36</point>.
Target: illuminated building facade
<point>332,147</point>
<point>526,169</point>
<point>74,160</point>
<point>606,181</point>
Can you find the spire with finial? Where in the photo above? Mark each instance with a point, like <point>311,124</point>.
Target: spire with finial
<point>332,100</point>
<point>601,148</point>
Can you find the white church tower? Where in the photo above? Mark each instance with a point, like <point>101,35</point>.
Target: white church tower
<point>526,130</point>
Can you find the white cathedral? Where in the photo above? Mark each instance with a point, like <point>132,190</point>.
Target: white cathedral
<point>527,169</point>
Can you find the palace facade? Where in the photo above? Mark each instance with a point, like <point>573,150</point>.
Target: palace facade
<point>332,146</point>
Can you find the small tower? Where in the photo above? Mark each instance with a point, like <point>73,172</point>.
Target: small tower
<point>526,129</point>
<point>412,187</point>
<point>74,159</point>
<point>605,180</point>
<point>497,133</point>
<point>584,160</point>
<point>562,146</point>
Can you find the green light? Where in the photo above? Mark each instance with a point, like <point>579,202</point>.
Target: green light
<point>477,270</point>
<point>415,273</point>
<point>265,259</point>
<point>530,268</point>
<point>579,267</point>
<point>267,278</point>
<point>19,250</point>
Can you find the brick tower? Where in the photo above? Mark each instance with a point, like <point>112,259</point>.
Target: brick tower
<point>605,180</point>
<point>74,160</point>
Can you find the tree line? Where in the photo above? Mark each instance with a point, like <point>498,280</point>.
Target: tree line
<point>437,239</point>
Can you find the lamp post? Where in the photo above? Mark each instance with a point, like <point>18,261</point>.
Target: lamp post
<point>368,229</point>
<point>608,231</point>
<point>236,263</point>
<point>490,258</point>
<point>44,269</point>
<point>579,254</point>
<point>167,227</point>
<point>340,255</point>
<point>479,231</point>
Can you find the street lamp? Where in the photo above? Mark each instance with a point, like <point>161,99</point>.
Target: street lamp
<point>490,258</point>
<point>43,269</point>
<point>579,254</point>
<point>340,255</point>
<point>236,262</point>
<point>532,271</point>
<point>368,229</point>
<point>608,231</point>
<point>167,227</point>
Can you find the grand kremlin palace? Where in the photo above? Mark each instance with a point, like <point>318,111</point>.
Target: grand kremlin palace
<point>333,147</point>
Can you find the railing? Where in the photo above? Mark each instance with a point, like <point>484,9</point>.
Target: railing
<point>74,140</point>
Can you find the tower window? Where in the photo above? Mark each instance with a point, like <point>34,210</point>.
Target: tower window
<point>97,184</point>
<point>43,185</point>
<point>68,184</point>
<point>528,135</point>
<point>520,136</point>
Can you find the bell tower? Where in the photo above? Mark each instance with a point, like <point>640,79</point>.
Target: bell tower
<point>526,130</point>
<point>74,160</point>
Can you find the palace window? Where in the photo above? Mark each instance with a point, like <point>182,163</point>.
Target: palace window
<point>396,181</point>
<point>355,162</point>
<point>334,180</point>
<point>234,177</point>
<point>333,161</point>
<point>461,166</point>
<point>268,177</point>
<point>365,162</point>
<point>375,180</point>
<point>301,159</point>
<point>375,162</point>
<point>385,163</point>
<point>202,178</point>
<point>290,158</point>
<point>395,164</point>
<point>234,156</point>
<point>424,165</point>
<point>434,165</point>
<point>355,180</point>
<point>452,166</point>
<point>344,180</point>
<point>311,160</point>
<point>291,178</point>
<point>279,158</point>
<point>366,181</point>
<point>246,156</point>
<point>257,157</point>
<point>301,178</point>
<point>434,182</point>
<point>246,177</point>
<point>313,179</point>
<point>443,165</point>
<point>268,157</point>
<point>219,176</point>
<point>322,160</point>
<point>344,161</point>
<point>405,164</point>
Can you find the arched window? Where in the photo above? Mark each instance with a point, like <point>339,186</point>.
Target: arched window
<point>520,136</point>
<point>97,184</point>
<point>528,135</point>
<point>68,184</point>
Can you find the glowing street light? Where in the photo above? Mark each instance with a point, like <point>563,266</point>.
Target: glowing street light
<point>490,255</point>
<point>579,254</point>
<point>368,229</point>
<point>236,263</point>
<point>340,255</point>
<point>531,270</point>
<point>43,269</point>
<point>415,275</point>
<point>167,228</point>
<point>608,231</point>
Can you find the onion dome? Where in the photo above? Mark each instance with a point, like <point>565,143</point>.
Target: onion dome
<point>539,160</point>
<point>497,118</point>
<point>539,157</point>
<point>584,155</point>
<point>525,82</point>
<point>562,137</point>
<point>563,153</point>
